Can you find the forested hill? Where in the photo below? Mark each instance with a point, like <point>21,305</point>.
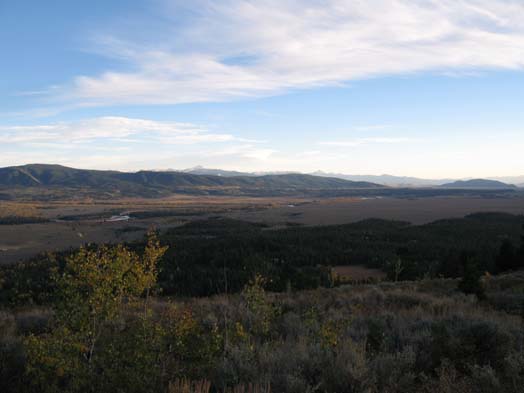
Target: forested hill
<point>153,183</point>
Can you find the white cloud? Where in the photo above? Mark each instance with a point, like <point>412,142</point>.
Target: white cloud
<point>240,48</point>
<point>116,129</point>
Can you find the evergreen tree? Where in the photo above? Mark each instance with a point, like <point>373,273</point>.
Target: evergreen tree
<point>470,282</point>
<point>507,257</point>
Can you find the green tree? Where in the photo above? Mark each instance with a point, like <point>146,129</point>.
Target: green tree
<point>260,309</point>
<point>94,290</point>
<point>470,282</point>
<point>507,257</point>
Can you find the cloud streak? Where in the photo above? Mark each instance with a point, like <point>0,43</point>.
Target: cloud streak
<point>116,129</point>
<point>232,49</point>
<point>124,143</point>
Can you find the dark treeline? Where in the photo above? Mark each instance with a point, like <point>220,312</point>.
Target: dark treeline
<point>164,213</point>
<point>136,215</point>
<point>218,255</point>
<point>19,220</point>
<point>204,254</point>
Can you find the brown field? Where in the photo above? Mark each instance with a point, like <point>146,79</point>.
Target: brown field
<point>347,210</point>
<point>356,273</point>
<point>18,209</point>
<point>23,241</point>
<point>53,210</point>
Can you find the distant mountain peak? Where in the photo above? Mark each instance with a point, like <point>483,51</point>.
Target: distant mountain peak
<point>201,170</point>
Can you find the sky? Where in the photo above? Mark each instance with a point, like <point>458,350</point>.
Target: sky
<point>430,88</point>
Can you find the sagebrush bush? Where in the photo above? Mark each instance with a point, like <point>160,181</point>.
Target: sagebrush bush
<point>402,337</point>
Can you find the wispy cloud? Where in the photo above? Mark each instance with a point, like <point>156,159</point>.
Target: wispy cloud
<point>125,143</point>
<point>116,129</point>
<point>231,49</point>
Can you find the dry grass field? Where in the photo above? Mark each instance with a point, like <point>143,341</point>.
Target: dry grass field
<point>87,220</point>
<point>20,209</point>
<point>184,203</point>
<point>332,211</point>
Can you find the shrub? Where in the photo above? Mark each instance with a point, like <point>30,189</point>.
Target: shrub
<point>12,362</point>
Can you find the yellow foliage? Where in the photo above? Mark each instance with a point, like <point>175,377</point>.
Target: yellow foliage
<point>94,287</point>
<point>18,209</point>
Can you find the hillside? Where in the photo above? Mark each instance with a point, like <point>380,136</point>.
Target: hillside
<point>478,184</point>
<point>519,180</point>
<point>153,183</point>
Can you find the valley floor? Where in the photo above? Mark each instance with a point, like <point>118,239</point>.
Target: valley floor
<point>87,221</point>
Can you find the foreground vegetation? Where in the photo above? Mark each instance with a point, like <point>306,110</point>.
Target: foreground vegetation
<point>104,332</point>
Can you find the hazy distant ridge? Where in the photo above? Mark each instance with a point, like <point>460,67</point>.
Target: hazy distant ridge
<point>385,179</point>
<point>478,183</point>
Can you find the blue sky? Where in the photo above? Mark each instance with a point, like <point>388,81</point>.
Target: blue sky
<point>421,88</point>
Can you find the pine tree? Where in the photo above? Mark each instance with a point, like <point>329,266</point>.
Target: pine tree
<point>470,282</point>
<point>507,257</point>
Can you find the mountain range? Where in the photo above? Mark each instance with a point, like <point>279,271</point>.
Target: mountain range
<point>385,179</point>
<point>388,180</point>
<point>158,183</point>
<point>43,181</point>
